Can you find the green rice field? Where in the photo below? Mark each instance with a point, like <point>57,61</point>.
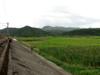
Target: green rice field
<point>78,55</point>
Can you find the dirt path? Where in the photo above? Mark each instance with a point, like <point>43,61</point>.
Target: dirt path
<point>22,61</point>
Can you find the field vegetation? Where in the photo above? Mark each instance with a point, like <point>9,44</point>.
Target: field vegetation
<point>78,55</point>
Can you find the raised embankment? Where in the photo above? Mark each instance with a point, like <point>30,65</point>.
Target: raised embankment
<point>17,59</point>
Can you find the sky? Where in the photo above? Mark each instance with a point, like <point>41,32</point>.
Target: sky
<point>39,13</point>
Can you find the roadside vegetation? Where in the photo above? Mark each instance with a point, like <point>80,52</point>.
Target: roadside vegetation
<point>78,55</point>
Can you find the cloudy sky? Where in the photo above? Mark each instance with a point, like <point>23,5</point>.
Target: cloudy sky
<point>38,13</point>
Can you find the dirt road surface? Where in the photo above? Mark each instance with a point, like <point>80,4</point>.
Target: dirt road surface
<point>22,61</point>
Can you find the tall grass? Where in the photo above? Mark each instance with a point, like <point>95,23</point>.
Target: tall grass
<point>78,55</point>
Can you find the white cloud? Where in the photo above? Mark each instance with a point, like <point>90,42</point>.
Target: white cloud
<point>65,18</point>
<point>54,12</point>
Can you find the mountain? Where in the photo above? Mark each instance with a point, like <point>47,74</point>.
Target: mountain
<point>28,31</point>
<point>11,31</point>
<point>58,30</point>
<point>90,31</point>
<point>24,31</point>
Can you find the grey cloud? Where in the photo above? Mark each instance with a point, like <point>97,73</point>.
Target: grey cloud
<point>69,21</point>
<point>62,17</point>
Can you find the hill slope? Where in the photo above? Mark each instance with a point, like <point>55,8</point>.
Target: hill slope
<point>25,31</point>
<point>92,31</point>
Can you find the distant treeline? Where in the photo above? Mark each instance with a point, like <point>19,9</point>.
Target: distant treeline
<point>84,32</point>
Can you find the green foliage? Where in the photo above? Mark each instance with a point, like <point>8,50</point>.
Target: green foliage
<point>84,32</point>
<point>78,55</point>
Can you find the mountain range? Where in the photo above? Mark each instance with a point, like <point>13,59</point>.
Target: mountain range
<point>28,31</point>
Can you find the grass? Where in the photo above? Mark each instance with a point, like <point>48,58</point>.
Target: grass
<point>78,55</point>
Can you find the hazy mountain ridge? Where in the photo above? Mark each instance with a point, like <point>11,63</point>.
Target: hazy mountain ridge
<point>58,30</point>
